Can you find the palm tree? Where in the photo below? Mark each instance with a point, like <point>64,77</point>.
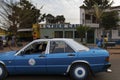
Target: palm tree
<point>98,12</point>
<point>88,4</point>
<point>82,30</point>
<point>97,7</point>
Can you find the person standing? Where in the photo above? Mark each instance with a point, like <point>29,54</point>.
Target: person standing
<point>100,42</point>
<point>1,44</point>
<point>13,42</point>
<point>105,41</point>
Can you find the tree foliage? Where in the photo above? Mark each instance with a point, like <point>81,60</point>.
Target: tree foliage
<point>53,20</point>
<point>88,4</point>
<point>82,30</point>
<point>50,18</point>
<point>60,19</point>
<point>110,20</point>
<point>8,15</point>
<point>21,14</point>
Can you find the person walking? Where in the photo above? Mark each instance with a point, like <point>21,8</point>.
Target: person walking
<point>100,42</point>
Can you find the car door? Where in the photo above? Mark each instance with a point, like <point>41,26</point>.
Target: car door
<point>31,61</point>
<point>60,57</point>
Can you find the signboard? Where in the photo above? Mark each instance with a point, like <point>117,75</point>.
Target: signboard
<point>36,31</point>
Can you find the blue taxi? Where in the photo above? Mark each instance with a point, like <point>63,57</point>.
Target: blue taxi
<point>55,56</point>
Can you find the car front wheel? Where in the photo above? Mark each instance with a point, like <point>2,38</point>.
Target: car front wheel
<point>80,72</point>
<point>3,72</point>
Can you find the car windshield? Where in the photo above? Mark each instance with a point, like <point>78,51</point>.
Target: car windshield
<point>77,46</point>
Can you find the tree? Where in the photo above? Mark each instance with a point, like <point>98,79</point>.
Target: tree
<point>98,12</point>
<point>7,10</point>
<point>59,19</point>
<point>19,14</point>
<point>88,4</point>
<point>50,19</point>
<point>29,14</point>
<point>110,20</point>
<point>97,7</point>
<point>82,31</point>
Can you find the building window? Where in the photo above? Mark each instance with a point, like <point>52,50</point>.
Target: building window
<point>58,34</point>
<point>87,17</point>
<point>93,19</point>
<point>68,34</point>
<point>118,32</point>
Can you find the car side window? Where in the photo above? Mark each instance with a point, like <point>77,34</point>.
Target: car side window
<point>35,48</point>
<point>60,47</point>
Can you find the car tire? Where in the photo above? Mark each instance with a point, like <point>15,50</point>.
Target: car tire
<point>80,72</point>
<point>3,72</point>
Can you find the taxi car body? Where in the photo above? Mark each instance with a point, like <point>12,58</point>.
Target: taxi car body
<point>54,56</point>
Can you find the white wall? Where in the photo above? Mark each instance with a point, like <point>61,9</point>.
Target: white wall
<point>82,16</point>
<point>115,34</point>
<point>98,33</point>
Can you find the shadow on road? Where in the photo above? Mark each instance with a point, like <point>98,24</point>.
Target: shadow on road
<point>39,77</point>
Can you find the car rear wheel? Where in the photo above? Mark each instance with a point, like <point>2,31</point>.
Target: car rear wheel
<point>3,72</point>
<point>80,72</point>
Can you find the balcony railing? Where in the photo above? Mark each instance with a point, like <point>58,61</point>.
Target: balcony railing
<point>93,25</point>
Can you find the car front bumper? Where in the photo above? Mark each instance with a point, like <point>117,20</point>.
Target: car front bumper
<point>107,66</point>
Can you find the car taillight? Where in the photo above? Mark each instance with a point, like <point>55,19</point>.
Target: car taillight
<point>107,59</point>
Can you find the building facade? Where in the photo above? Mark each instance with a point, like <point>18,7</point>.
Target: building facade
<point>64,31</point>
<point>56,31</point>
<point>87,18</point>
<point>25,34</point>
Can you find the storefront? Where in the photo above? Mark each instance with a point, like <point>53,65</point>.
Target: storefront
<point>65,31</point>
<point>25,34</point>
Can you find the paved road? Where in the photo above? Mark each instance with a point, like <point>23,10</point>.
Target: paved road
<point>115,75</point>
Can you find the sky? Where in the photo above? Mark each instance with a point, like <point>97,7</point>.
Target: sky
<point>68,8</point>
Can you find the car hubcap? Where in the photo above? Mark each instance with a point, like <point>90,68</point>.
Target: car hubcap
<point>80,72</point>
<point>1,71</point>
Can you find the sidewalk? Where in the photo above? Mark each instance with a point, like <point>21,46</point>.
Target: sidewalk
<point>113,51</point>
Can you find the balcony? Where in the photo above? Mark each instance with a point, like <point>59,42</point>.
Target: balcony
<point>92,25</point>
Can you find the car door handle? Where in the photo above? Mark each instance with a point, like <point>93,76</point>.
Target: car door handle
<point>71,55</point>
